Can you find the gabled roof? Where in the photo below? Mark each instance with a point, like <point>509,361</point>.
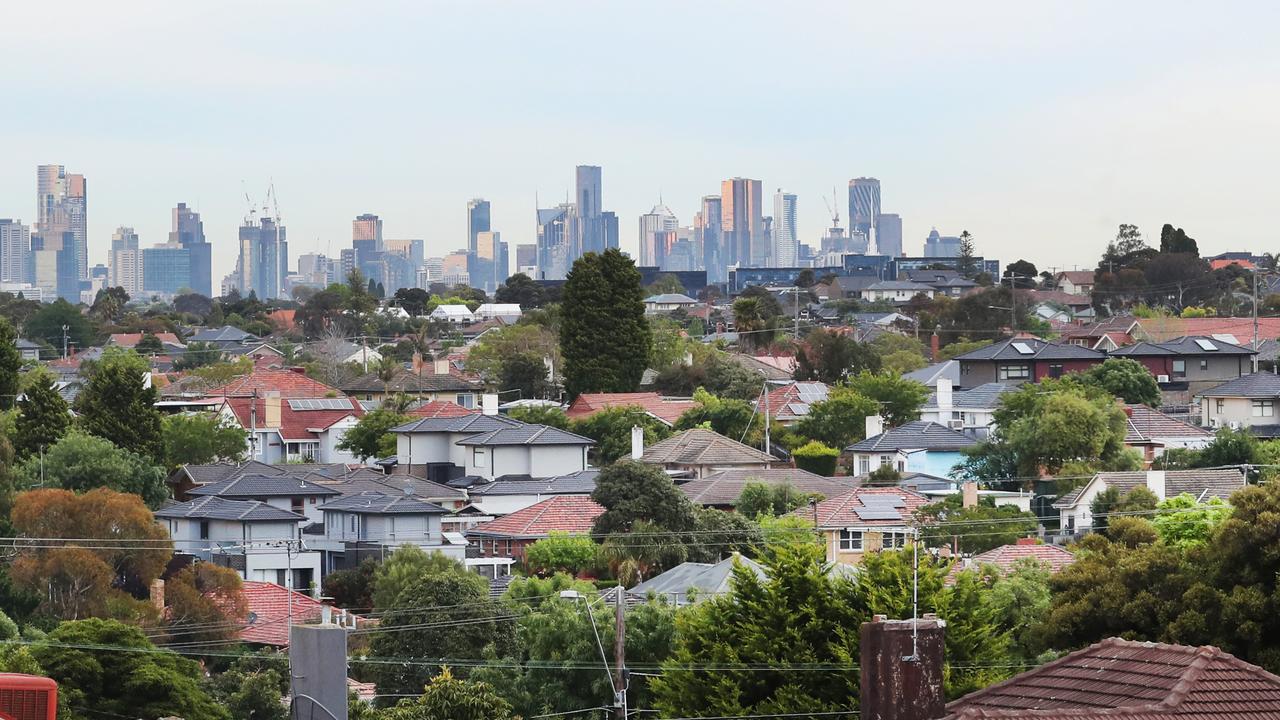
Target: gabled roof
<point>1192,345</point>
<point>216,508</point>
<point>981,397</point>
<point>129,340</point>
<point>665,409</point>
<point>1253,385</point>
<point>224,334</point>
<point>474,424</point>
<point>1134,680</point>
<point>886,285</point>
<point>1030,348</point>
<point>1145,426</point>
<point>439,409</point>
<point>1006,556</point>
<point>916,435</point>
<point>300,418</point>
<point>670,299</point>
<point>289,383</point>
<point>562,513</point>
<point>1077,277</point>
<point>368,480</point>
<point>376,503</point>
<point>929,375</point>
<point>705,579</point>
<point>527,435</point>
<point>255,486</point>
<point>724,487</point>
<point>581,482</point>
<point>700,446</point>
<point>792,401</point>
<point>410,382</point>
<point>1202,484</point>
<point>451,310</point>
<point>867,507</point>
<point>1167,328</point>
<point>270,608</point>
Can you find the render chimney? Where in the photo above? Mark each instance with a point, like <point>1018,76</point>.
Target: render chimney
<point>440,367</point>
<point>875,425</point>
<point>1027,541</point>
<point>417,363</point>
<point>901,665</point>
<point>1155,482</point>
<point>944,395</point>
<point>272,419</point>
<point>637,442</point>
<point>157,594</point>
<point>969,494</point>
<point>489,403</point>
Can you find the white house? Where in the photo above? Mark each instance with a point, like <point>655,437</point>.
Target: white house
<point>487,446</point>
<point>293,429</point>
<point>898,291</point>
<point>1075,508</point>
<point>283,491</point>
<point>667,302</point>
<point>373,524</point>
<point>920,446</point>
<point>511,494</point>
<point>971,411</point>
<point>505,311</point>
<point>452,314</point>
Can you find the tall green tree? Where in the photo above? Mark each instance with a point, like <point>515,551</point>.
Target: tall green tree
<point>446,697</point>
<point>10,362</point>
<point>975,529</point>
<point>604,336</point>
<point>900,399</point>
<point>830,357</point>
<point>839,420</point>
<point>1126,379</point>
<point>43,416</point>
<point>402,567</point>
<point>611,429</point>
<point>201,439</point>
<point>967,260</point>
<point>47,323</point>
<point>1175,240</point>
<point>80,462</point>
<point>632,492</point>
<point>118,404</point>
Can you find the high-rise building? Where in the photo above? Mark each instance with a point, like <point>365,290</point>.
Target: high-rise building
<point>489,261</point>
<point>125,267</point>
<point>864,208</point>
<point>657,234</point>
<point>167,270</point>
<point>742,222</point>
<point>366,240</point>
<point>591,234</point>
<point>432,272</point>
<point>556,228</point>
<point>61,207</point>
<point>527,259</point>
<point>264,258</point>
<point>346,263</point>
<point>187,231</point>
<point>941,246</point>
<point>15,251</point>
<point>786,244</point>
<point>708,234</point>
<point>454,268</point>
<point>609,219</point>
<point>478,221</point>
<point>889,234</point>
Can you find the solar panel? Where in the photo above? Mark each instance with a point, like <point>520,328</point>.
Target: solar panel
<point>882,500</point>
<point>1206,344</point>
<point>319,404</point>
<point>1023,348</point>
<point>878,514</point>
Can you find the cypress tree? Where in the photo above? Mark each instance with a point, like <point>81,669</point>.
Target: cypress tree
<point>114,404</point>
<point>604,336</point>
<point>42,417</point>
<point>10,361</point>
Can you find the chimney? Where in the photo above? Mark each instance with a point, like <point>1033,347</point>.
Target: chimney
<point>1027,541</point>
<point>969,494</point>
<point>944,395</point>
<point>901,665</point>
<point>875,425</point>
<point>440,367</point>
<point>1155,482</point>
<point>417,363</point>
<point>1128,411</point>
<point>273,410</point>
<point>934,346</point>
<point>637,442</point>
<point>489,403</point>
<point>157,594</point>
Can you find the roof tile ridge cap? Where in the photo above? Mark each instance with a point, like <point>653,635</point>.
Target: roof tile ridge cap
<point>1202,657</point>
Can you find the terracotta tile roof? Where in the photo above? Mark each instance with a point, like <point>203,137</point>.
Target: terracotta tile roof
<point>440,409</point>
<point>269,612</point>
<point>294,424</point>
<point>289,383</point>
<point>1057,296</point>
<point>1145,426</point>
<point>792,401</point>
<point>407,381</point>
<point>1126,679</point>
<point>666,409</point>
<point>700,446</point>
<point>562,513</point>
<point>129,340</point>
<point>867,507</point>
<point>1006,556</point>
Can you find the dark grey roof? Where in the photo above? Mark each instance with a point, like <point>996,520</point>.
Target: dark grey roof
<point>1200,484</point>
<point>704,579</point>
<point>1253,385</point>
<point>1188,345</point>
<point>855,283</point>
<point>929,375</point>
<point>376,503</point>
<point>576,483</point>
<point>224,334</point>
<point>918,435</point>
<point>410,382</point>
<point>216,508</point>
<point>724,487</point>
<point>219,472</point>
<point>981,397</point>
<point>25,344</point>
<point>253,486</point>
<point>899,285</point>
<point>1038,350</point>
<point>374,481</point>
<point>475,424</point>
<point>527,435</point>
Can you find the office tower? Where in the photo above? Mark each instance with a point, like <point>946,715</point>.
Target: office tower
<point>786,244</point>
<point>657,234</point>
<point>889,234</point>
<point>864,208</point>
<point>941,246</point>
<point>742,222</point>
<point>432,272</point>
<point>527,259</point>
<point>316,270</point>
<point>411,249</point>
<point>453,268</point>
<point>487,268</point>
<point>556,227</point>
<point>167,270</point>
<point>478,220</point>
<point>187,231</point>
<point>61,208</point>
<point>366,240</point>
<point>709,235</point>
<point>124,268</point>
<point>346,263</point>
<point>590,235</point>
<point>15,251</point>
<point>609,219</point>
<point>264,258</point>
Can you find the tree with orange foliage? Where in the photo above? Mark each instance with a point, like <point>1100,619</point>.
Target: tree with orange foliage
<point>206,603</point>
<point>87,554</point>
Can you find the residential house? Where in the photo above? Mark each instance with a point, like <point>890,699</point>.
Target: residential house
<point>452,314</point>
<point>189,477</point>
<point>1007,558</point>
<point>257,540</point>
<point>1105,335</point>
<point>691,582</point>
<point>931,375</point>
<point>865,520</point>
<point>1075,282</point>
<point>282,429</point>
<point>949,283</point>
<point>511,493</point>
<point>348,352</point>
<point>789,404</point>
<point>667,303</point>
<point>852,287</point>
<point>970,411</point>
<point>1024,359</point>
<point>224,337</point>
<point>1190,364</point>
<point>289,382</point>
<point>509,312</point>
<point>28,350</point>
<point>1076,513</point>
<point>899,292</point>
<point>698,452</point>
<point>298,495</point>
<point>1151,432</point>
<point>374,524</point>
<point>1249,401</point>
<point>1077,307</point>
<point>1236,330</point>
<point>509,535</point>
<point>273,608</point>
<point>666,409</point>
<point>169,341</point>
<point>921,446</point>
<point>486,446</point>
<point>771,368</point>
<point>436,382</point>
<point>722,488</point>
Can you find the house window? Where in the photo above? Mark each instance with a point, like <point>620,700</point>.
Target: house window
<point>354,524</point>
<point>1179,368</point>
<point>1219,405</point>
<point>1015,372</point>
<point>864,465</point>
<point>893,540</point>
<point>280,578</point>
<point>885,460</point>
<point>480,457</point>
<point>204,529</point>
<point>1264,408</point>
<point>466,400</point>
<point>1055,370</point>
<point>311,501</point>
<point>1204,364</point>
<point>851,540</point>
<point>295,504</point>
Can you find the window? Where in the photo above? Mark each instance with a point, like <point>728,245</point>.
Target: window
<point>1219,405</point>
<point>480,457</point>
<point>1264,408</point>
<point>1204,364</point>
<point>311,501</point>
<point>1015,372</point>
<point>864,465</point>
<point>1055,370</point>
<point>466,400</point>
<point>893,540</point>
<point>885,460</point>
<point>204,529</point>
<point>851,540</point>
<point>1179,368</point>
<point>295,504</point>
<point>280,578</point>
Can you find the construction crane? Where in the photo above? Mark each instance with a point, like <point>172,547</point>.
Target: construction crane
<point>833,207</point>
<point>252,215</point>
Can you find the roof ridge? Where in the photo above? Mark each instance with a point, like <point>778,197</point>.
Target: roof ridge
<point>543,511</point>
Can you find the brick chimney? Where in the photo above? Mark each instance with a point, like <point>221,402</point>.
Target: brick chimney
<point>934,346</point>
<point>157,594</point>
<point>1027,541</point>
<point>272,419</point>
<point>902,678</point>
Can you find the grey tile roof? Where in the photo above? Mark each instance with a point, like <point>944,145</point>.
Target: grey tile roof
<point>706,580</point>
<point>1146,425</point>
<point>1188,345</point>
<point>700,446</point>
<point>374,481</point>
<point>224,334</point>
<point>917,435</point>
<point>577,483</point>
<point>1201,484</point>
<point>900,285</point>
<point>527,435</point>
<point>376,503</point>
<point>1253,385</point>
<point>947,369</point>
<point>474,424</point>
<point>251,486</point>
<point>1039,350</point>
<point>410,382</point>
<point>670,298</point>
<point>724,487</point>
<point>216,508</point>
<point>981,397</point>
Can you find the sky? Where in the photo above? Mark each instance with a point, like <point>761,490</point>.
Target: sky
<point>1036,126</point>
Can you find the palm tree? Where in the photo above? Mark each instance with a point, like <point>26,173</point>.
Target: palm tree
<point>387,369</point>
<point>749,320</point>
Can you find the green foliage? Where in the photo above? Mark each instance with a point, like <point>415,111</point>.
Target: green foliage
<point>561,551</point>
<point>759,498</point>
<point>1176,241</point>
<point>669,342</point>
<point>448,698</point>
<point>884,476</point>
<point>1114,502</point>
<point>522,290</point>
<point>402,567</point>
<point>46,324</point>
<point>371,436</point>
<point>718,534</point>
<point>830,357</point>
<point>729,417</point>
<point>839,420</point>
<point>10,363</point>
<point>527,373</point>
<point>1189,524</point>
<point>254,695</point>
<point>80,462</point>
<point>817,458</point>
<point>116,406</point>
<point>200,439</point>
<point>1126,379</point>
<point>1229,447</point>
<point>493,350</point>
<point>544,415</point>
<point>352,589</point>
<point>960,347</point>
<point>197,354</point>
<point>713,370</point>
<point>604,336</point>
<point>755,320</point>
<point>644,551</point>
<point>900,399</point>
<point>632,492</point>
<point>979,528</point>
<point>611,429</point>
<point>1048,424</point>
<point>1021,599</point>
<point>903,361</point>
<point>43,416</point>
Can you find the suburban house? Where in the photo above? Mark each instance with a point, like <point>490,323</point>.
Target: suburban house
<point>1077,516</point>
<point>27,350</point>
<point>944,282</point>
<point>297,495</point>
<point>1076,308</point>
<point>1190,363</point>
<point>666,409</point>
<point>722,488</point>
<point>1248,401</point>
<point>169,341</point>
<point>374,524</point>
<point>1074,282</point>
<point>452,314</point>
<point>272,608</point>
<point>224,337</point>
<point>257,540</point>
<point>698,452</point>
<point>511,493</point>
<point>1024,359</point>
<point>1006,558</point>
<point>286,429</point>
<point>789,404</point>
<point>931,375</point>
<point>847,287</point>
<point>921,446</point>
<point>1151,432</point>
<point>690,582</point>
<point>436,382</point>
<point>667,302</point>
<point>970,411</point>
<point>1105,335</point>
<point>508,536</point>
<point>899,292</point>
<point>865,520</point>
<point>348,352</point>
<point>486,446</point>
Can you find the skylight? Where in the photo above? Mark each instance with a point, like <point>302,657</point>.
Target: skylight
<point>1206,344</point>
<point>1023,348</point>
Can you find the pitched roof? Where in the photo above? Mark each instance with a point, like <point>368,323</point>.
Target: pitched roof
<point>254,486</point>
<point>377,503</point>
<point>724,487</point>
<point>270,608</point>
<point>1189,345</point>
<point>981,397</point>
<point>916,435</point>
<point>581,482</point>
<point>792,401</point>
<point>367,480</point>
<point>1129,679</point>
<point>774,367</point>
<point>1077,277</point>
<point>562,513</point>
<point>670,299</point>
<point>665,409</point>
<point>224,334</point>
<point>867,507</point>
<point>216,508</point>
<point>1006,556</point>
<point>474,424</point>
<point>524,434</point>
<point>705,579</point>
<point>1253,385</point>
<point>699,446</point>
<point>1201,484</point>
<point>439,409</point>
<point>410,382</point>
<point>930,374</point>
<point>289,383</point>
<point>1145,425</point>
<point>1030,348</point>
<point>129,340</point>
<point>300,418</point>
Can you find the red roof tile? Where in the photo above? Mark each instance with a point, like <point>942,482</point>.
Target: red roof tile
<point>440,409</point>
<point>1006,556</point>
<point>128,340</point>
<point>667,409</point>
<point>269,612</point>
<point>562,513</point>
<point>1145,426</point>
<point>289,383</point>
<point>294,424</point>
<point>842,510</point>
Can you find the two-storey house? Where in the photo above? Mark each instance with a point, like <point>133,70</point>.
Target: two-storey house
<point>295,494</point>
<point>1191,363</point>
<point>1251,401</point>
<point>918,446</point>
<point>486,446</point>
<point>373,525</point>
<point>1024,359</point>
<point>970,411</point>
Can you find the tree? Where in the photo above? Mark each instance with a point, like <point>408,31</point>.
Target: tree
<point>254,695</point>
<point>493,350</point>
<point>816,458</point>
<point>900,399</point>
<point>47,323</point>
<point>902,362</point>
<point>1021,599</point>
<point>521,290</point>
<point>80,463</point>
<point>149,345</point>
<point>200,439</point>
<point>631,492</point>
<point>193,304</point>
<point>352,589</point>
<point>611,429</point>
<point>759,498</point>
<point>42,418</point>
<point>1177,241</point>
<point>527,373</point>
<point>1051,423</point>
<point>561,552</point>
<point>665,283</point>
<point>1127,379</point>
<point>372,436</point>
<point>197,354</point>
<point>718,535</point>
<point>448,698</point>
<point>839,420</point>
<point>10,363</point>
<point>1022,274</point>
<point>118,405</point>
<point>205,604</point>
<point>1113,501</point>
<point>974,529</point>
<point>966,259</point>
<point>541,415</point>
<point>753,322</point>
<point>413,300</point>
<point>1184,522</point>
<point>1229,447</point>
<point>714,371</point>
<point>884,476</point>
<point>829,357</point>
<point>644,551</point>
<point>109,304</point>
<point>400,569</point>
<point>604,335</point>
<point>729,417</point>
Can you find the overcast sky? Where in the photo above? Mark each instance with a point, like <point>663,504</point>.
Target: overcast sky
<point>1038,127</point>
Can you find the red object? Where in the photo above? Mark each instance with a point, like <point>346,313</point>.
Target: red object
<point>666,409</point>
<point>440,409</point>
<point>28,697</point>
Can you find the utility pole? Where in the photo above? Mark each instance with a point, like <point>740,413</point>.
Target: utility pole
<point>1255,309</point>
<point>64,342</point>
<point>796,333</point>
<point>768,448</point>
<point>619,656</point>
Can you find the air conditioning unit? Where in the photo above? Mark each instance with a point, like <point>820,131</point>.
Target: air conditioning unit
<point>1162,378</point>
<point>955,424</point>
<point>1233,425</point>
<point>1215,422</point>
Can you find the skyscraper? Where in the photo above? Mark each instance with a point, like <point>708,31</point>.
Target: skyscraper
<point>477,221</point>
<point>264,258</point>
<point>15,251</point>
<point>187,231</point>
<point>527,259</point>
<point>610,221</point>
<point>889,234</point>
<point>940,246</point>
<point>864,208</point>
<point>366,240</point>
<point>657,235</point>
<point>490,261</point>
<point>709,235</point>
<point>590,235</point>
<point>62,251</point>
<point>742,222</point>
<point>556,227</point>
<point>786,246</point>
<point>124,268</point>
